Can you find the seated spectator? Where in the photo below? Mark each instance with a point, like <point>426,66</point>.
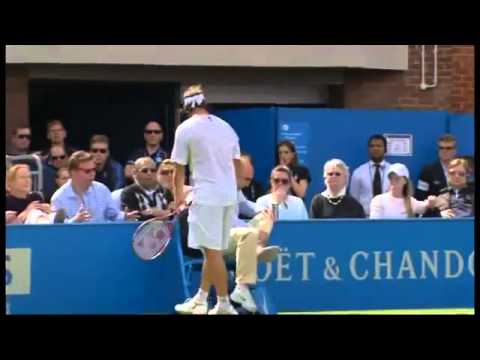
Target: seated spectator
<point>56,135</point>
<point>287,155</point>
<point>398,202</point>
<point>56,159</point>
<point>20,141</point>
<point>109,172</point>
<point>254,189</point>
<point>62,177</point>
<point>458,199</point>
<point>165,178</point>
<point>334,202</point>
<point>153,135</point>
<point>23,205</point>
<point>290,207</point>
<point>84,199</point>
<point>147,195</point>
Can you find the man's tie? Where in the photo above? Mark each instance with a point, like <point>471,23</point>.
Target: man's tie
<point>377,181</point>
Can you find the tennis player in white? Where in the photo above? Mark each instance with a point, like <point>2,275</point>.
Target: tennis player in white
<point>210,147</point>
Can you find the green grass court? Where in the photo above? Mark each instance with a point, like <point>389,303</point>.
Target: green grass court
<point>391,312</point>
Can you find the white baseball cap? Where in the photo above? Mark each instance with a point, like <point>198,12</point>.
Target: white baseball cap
<point>399,170</point>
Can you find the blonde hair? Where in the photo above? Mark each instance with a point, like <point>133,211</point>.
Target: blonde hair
<point>407,193</point>
<point>11,175</point>
<point>340,164</point>
<point>458,161</point>
<point>167,162</point>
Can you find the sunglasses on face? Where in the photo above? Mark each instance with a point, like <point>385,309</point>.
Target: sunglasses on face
<point>24,136</point>
<point>88,171</point>
<point>446,147</point>
<point>281,181</point>
<point>103,151</point>
<point>61,157</point>
<point>458,173</point>
<point>153,132</point>
<point>166,172</point>
<point>148,170</point>
<point>337,174</point>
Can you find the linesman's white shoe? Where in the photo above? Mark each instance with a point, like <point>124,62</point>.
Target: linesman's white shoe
<point>243,297</point>
<point>192,306</point>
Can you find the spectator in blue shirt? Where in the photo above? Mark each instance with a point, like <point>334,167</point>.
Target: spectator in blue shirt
<point>84,199</point>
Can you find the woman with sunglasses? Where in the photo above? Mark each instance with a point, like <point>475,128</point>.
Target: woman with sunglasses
<point>287,155</point>
<point>334,202</point>
<point>458,199</point>
<point>290,207</point>
<point>398,202</point>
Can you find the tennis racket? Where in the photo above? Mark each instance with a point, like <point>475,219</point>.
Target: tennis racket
<point>151,238</point>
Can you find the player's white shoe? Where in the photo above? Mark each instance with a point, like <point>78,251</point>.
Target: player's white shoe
<point>192,306</point>
<point>268,254</point>
<point>223,310</point>
<point>243,297</point>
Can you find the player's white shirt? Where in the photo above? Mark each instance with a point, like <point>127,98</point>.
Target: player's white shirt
<point>209,145</point>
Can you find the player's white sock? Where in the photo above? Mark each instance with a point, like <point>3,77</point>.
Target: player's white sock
<point>223,301</point>
<point>201,295</point>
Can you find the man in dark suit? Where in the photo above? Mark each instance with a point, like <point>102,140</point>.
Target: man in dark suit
<point>433,177</point>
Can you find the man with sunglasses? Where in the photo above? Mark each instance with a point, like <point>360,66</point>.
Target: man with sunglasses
<point>290,207</point>
<point>153,135</point>
<point>20,141</point>
<point>433,177</point>
<point>56,159</point>
<point>84,199</point>
<point>146,195</point>
<point>109,172</point>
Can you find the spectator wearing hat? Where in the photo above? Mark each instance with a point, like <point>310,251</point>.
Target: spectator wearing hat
<point>398,202</point>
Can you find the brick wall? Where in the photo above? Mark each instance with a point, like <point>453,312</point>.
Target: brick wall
<point>378,89</point>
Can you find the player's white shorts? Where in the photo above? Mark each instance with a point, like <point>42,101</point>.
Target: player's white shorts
<point>209,226</point>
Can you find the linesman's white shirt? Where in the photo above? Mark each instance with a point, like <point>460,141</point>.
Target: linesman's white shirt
<point>208,145</point>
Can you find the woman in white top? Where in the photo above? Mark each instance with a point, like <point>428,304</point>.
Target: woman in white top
<point>398,202</point>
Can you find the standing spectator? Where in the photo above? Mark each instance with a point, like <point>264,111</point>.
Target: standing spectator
<point>334,202</point>
<point>147,195</point>
<point>433,177</point>
<point>57,134</point>
<point>398,202</point>
<point>370,179</point>
<point>84,199</point>
<point>458,199</point>
<point>20,141</point>
<point>287,155</point>
<point>153,135</point>
<point>109,172</point>
<point>290,207</point>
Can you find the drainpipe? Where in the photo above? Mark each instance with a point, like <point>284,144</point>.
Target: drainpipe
<point>424,86</point>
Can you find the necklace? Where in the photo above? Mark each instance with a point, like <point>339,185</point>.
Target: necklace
<point>335,201</point>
